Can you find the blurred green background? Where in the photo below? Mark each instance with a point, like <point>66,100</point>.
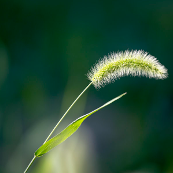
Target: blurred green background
<point>46,50</point>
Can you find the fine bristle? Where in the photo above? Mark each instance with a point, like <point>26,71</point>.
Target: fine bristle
<point>133,63</point>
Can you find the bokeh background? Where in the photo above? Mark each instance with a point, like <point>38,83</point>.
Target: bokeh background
<point>46,50</point>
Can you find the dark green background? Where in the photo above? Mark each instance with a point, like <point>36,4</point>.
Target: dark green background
<point>46,50</point>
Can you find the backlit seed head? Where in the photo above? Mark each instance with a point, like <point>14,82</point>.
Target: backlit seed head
<point>134,63</point>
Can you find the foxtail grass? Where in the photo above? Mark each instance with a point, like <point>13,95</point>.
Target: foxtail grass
<point>107,70</point>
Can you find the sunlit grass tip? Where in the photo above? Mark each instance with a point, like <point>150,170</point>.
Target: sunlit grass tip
<point>133,63</point>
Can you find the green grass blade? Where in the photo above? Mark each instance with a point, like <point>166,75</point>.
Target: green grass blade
<point>68,131</point>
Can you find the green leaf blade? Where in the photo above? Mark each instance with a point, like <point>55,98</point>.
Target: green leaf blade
<point>61,137</point>
<point>68,131</point>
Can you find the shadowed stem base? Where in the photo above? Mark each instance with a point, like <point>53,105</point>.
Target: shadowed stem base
<point>30,164</point>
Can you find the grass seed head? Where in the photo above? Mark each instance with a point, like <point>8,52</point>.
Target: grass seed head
<point>133,63</point>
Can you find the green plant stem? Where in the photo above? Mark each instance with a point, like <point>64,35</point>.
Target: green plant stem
<point>66,113</point>
<point>58,124</point>
<point>30,164</point>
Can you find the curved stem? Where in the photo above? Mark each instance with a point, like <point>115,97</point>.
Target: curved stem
<point>58,124</point>
<point>66,112</point>
<point>30,164</point>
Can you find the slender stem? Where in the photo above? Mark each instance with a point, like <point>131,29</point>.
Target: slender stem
<point>58,124</point>
<point>66,112</point>
<point>30,164</point>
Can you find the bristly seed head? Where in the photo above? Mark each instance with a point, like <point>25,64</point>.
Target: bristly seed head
<point>134,63</point>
